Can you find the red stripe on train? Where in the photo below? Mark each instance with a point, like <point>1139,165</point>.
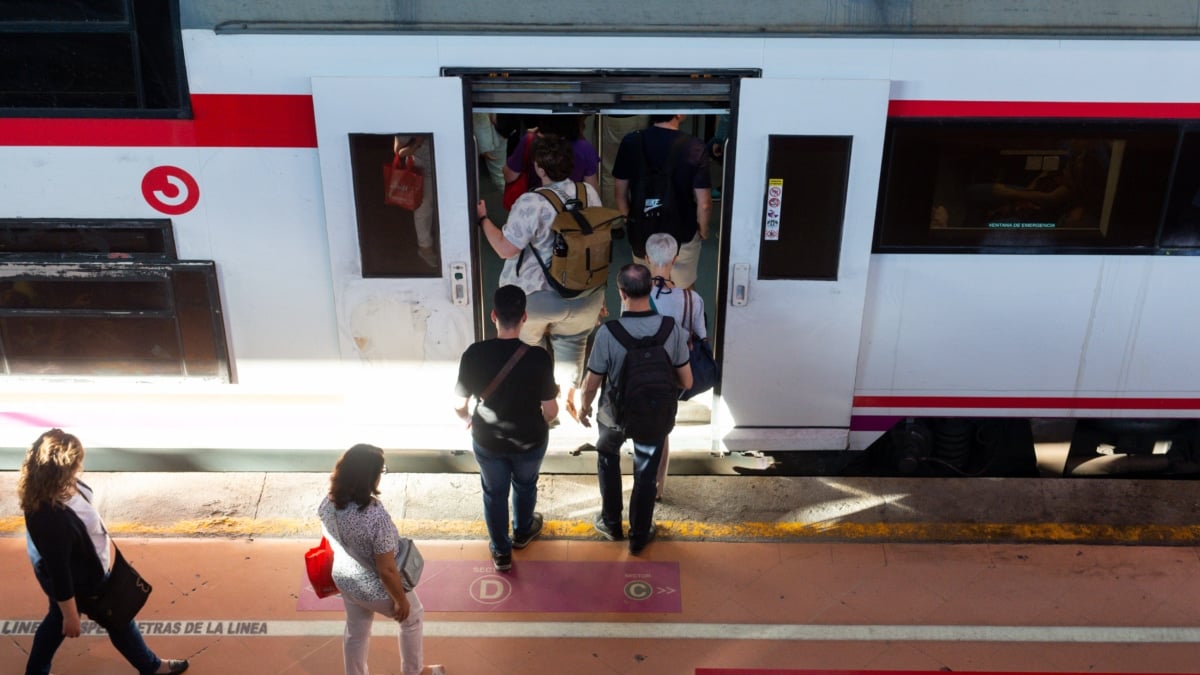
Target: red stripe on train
<point>287,121</point>
<point>219,121</point>
<point>1033,402</point>
<point>1018,109</point>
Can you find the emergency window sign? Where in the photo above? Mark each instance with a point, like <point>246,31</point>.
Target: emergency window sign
<point>774,208</point>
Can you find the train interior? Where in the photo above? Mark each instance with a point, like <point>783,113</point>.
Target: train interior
<point>491,123</point>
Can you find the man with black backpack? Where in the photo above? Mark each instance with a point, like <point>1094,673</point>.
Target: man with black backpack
<point>642,361</point>
<point>662,184</point>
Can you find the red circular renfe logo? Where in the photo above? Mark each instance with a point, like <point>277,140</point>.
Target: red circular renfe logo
<point>170,190</point>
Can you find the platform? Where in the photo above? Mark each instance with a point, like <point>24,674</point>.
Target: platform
<point>750,575</point>
<point>231,606</point>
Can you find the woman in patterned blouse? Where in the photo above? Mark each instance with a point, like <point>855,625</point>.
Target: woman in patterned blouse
<point>365,545</point>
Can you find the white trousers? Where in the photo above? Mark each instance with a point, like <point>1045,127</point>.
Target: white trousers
<point>357,640</point>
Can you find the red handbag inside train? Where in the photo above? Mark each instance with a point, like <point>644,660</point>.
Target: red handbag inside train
<point>403,183</point>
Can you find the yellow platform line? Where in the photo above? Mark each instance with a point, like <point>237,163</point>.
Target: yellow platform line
<point>1160,535</point>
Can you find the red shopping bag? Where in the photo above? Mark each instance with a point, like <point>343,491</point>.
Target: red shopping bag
<point>514,190</point>
<point>403,183</point>
<point>318,561</point>
<point>519,186</point>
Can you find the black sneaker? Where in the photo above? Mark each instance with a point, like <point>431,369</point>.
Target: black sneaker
<point>609,533</point>
<point>534,530</point>
<point>502,561</point>
<point>636,547</point>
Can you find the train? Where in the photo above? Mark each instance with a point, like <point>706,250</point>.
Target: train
<point>918,243</point>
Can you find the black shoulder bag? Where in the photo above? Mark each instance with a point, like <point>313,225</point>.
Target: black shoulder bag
<point>120,596</point>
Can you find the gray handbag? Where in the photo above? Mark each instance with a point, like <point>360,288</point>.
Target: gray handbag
<point>411,563</point>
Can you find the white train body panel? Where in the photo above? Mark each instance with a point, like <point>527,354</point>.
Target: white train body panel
<point>324,357</point>
<point>1029,325</point>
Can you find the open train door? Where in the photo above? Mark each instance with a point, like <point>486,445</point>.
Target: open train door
<point>807,179</point>
<point>400,268</point>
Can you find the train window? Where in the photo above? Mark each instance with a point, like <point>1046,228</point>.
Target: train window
<point>96,239</point>
<point>112,319</point>
<point>1181,227</point>
<point>395,202</point>
<point>40,10</point>
<point>115,56</point>
<point>805,199</point>
<point>1023,187</point>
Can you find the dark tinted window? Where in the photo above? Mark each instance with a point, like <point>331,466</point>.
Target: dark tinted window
<point>86,57</point>
<point>395,240</point>
<point>199,323</point>
<point>85,294</point>
<point>112,319</point>
<point>1181,227</point>
<point>803,206</point>
<point>90,345</point>
<point>101,239</point>
<point>63,10</point>
<point>1052,186</point>
<point>65,70</point>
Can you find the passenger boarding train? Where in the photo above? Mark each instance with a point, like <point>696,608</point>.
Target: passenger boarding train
<point>912,236</point>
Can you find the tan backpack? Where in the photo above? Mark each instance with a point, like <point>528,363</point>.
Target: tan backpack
<point>582,248</point>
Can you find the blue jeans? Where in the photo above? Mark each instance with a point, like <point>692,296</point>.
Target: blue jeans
<point>497,471</point>
<point>646,458</point>
<point>48,637</point>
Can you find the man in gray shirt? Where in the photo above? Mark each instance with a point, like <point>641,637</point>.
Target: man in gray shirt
<point>604,366</point>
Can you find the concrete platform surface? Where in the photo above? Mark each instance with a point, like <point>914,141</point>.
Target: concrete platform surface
<point>695,508</point>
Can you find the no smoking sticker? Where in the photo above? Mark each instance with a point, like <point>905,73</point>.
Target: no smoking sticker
<point>774,209</point>
<point>170,190</point>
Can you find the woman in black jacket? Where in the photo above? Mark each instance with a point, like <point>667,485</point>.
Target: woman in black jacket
<point>71,552</point>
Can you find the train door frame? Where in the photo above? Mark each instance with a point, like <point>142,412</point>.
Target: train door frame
<point>601,92</point>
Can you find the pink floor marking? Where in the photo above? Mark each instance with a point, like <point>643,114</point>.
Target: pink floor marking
<point>537,586</point>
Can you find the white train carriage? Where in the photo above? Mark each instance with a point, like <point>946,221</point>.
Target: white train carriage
<point>907,271</point>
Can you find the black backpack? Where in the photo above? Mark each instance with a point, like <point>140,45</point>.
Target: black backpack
<point>647,396</point>
<point>653,207</point>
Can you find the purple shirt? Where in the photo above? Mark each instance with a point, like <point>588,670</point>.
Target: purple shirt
<point>587,162</point>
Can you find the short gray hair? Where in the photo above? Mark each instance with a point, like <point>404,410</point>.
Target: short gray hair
<point>661,249</point>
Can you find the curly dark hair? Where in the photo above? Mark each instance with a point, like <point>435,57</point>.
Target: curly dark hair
<point>49,470</point>
<point>355,477</point>
<point>555,155</point>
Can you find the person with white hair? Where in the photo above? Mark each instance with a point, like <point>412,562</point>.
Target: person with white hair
<point>684,304</point>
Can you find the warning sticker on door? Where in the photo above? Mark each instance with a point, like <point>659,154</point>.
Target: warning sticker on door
<point>774,208</point>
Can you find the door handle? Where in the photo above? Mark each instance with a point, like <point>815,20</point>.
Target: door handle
<point>741,285</point>
<point>458,284</point>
